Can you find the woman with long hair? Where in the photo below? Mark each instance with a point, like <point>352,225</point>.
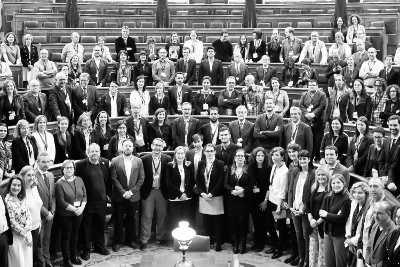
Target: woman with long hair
<point>141,94</point>
<point>143,68</point>
<point>242,47</point>
<point>338,26</point>
<point>159,100</point>
<point>274,47</point>
<point>122,71</point>
<point>290,74</point>
<point>83,137</point>
<point>260,164</point>
<point>350,72</point>
<point>11,104</point>
<point>372,165</point>
<point>5,153</point>
<point>361,101</point>
<point>10,49</point>
<point>103,132</point>
<point>335,137</point>
<point>150,49</point>
<point>359,145</point>
<point>258,47</point>
<point>392,105</point>
<point>62,141</point>
<point>340,101</point>
<point>280,97</point>
<point>160,128</point>
<point>355,26</point>
<point>75,70</point>
<point>44,139</point>
<point>115,145</point>
<point>29,56</point>
<point>24,148</point>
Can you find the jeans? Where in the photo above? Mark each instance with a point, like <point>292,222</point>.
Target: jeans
<point>302,226</point>
<point>120,209</point>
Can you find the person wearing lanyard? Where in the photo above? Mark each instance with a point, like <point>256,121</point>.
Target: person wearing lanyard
<point>5,153</point>
<point>73,48</point>
<point>210,130</point>
<point>333,165</point>
<point>115,147</point>
<point>242,130</point>
<point>205,99</point>
<point>35,102</point>
<point>141,94</point>
<point>340,101</point>
<point>211,67</point>
<point>179,94</point>
<point>209,182</point>
<point>24,149</point>
<point>83,137</point>
<point>264,73</point>
<point>184,127</point>
<point>258,47</point>
<point>159,100</point>
<point>379,99</point>
<point>137,127</point>
<point>6,236</point>
<point>163,69</point>
<point>71,201</point>
<point>280,97</point>
<point>291,46</point>
<point>29,56</point>
<point>154,193</point>
<point>11,104</point>
<point>97,68</point>
<point>44,139</point>
<point>370,69</point>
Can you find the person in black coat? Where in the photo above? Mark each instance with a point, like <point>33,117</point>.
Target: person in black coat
<point>143,68</point>
<point>11,111</point>
<point>115,144</point>
<point>103,132</point>
<point>174,48</point>
<point>393,250</point>
<point>388,73</point>
<point>62,141</point>
<point>60,98</point>
<point>187,66</point>
<point>205,98</point>
<point>290,74</point>
<point>83,137</point>
<point>137,127</point>
<point>159,100</point>
<point>226,150</point>
<point>160,128</point>
<point>258,47</point>
<point>361,101</point>
<point>24,149</point>
<point>122,104</point>
<point>392,105</point>
<point>6,237</point>
<point>127,43</point>
<point>29,56</point>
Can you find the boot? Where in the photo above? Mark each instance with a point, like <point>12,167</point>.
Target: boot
<point>235,244</point>
<point>243,244</point>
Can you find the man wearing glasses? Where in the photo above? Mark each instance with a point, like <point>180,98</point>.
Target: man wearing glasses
<point>183,128</point>
<point>230,98</point>
<point>379,99</point>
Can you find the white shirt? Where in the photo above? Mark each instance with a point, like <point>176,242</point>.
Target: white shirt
<point>182,173</point>
<point>34,203</point>
<point>299,191</point>
<point>40,143</point>
<point>3,219</point>
<point>278,188</point>
<point>114,107</point>
<point>214,132</point>
<point>197,158</point>
<point>128,168</point>
<point>373,67</point>
<point>29,147</point>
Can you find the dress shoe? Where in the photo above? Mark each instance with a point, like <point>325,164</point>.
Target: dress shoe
<point>101,250</point>
<point>259,249</point>
<point>276,255</point>
<point>116,247</point>
<point>242,250</point>
<point>133,245</point>
<point>143,247</point>
<point>301,263</point>
<point>76,261</point>
<point>85,255</point>
<point>161,242</point>
<point>68,264</point>
<point>218,247</point>
<point>271,250</point>
<point>236,250</point>
<point>254,246</point>
<point>48,264</point>
<point>290,259</point>
<point>295,262</point>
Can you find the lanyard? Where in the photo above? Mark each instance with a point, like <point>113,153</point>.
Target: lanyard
<point>273,174</point>
<point>277,96</point>
<point>137,129</point>
<point>158,165</point>
<point>44,140</point>
<point>73,189</point>
<point>208,175</point>
<point>334,142</point>
<point>213,133</point>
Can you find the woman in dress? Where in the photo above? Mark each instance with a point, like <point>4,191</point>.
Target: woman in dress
<point>29,56</point>
<point>5,153</point>
<point>290,74</point>
<point>115,144</point>
<point>71,201</point>
<point>10,50</point>
<point>280,97</point>
<point>195,47</point>
<point>62,141</point>
<point>20,253</point>
<point>74,71</point>
<point>11,104</point>
<point>361,101</point>
<point>44,139</point>
<point>122,71</point>
<point>24,149</point>
<point>205,98</point>
<point>160,128</point>
<point>258,47</point>
<point>159,100</point>
<point>143,68</point>
<point>209,181</point>
<point>392,105</point>
<point>83,137</point>
<point>141,94</point>
<point>335,137</point>
<point>242,47</point>
<point>103,132</point>
<point>355,26</point>
<point>338,26</point>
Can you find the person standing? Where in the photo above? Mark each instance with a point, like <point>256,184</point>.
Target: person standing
<point>210,130</point>
<point>230,98</point>
<point>223,48</point>
<point>60,99</point>
<point>187,66</point>
<point>35,102</point>
<point>242,130</point>
<point>73,48</point>
<point>163,69</point>
<point>137,127</point>
<point>211,67</point>
<point>97,68</point>
<point>183,128</point>
<point>127,43</point>
<point>6,235</point>
<point>85,98</point>
<point>179,94</point>
<point>226,150</point>
<point>24,149</point>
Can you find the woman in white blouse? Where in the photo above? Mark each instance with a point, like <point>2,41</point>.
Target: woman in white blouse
<point>275,201</point>
<point>141,94</point>
<point>355,20</point>
<point>44,139</point>
<point>195,47</point>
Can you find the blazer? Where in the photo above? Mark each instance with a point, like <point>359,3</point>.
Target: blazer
<point>367,45</point>
<point>61,153</point>
<point>57,104</point>
<point>274,50</point>
<point>92,101</point>
<point>345,107</point>
<point>236,204</point>
<point>9,231</point>
<point>362,153</point>
<point>341,143</point>
<point>360,58</point>
<point>103,139</point>
<point>377,252</point>
<point>216,73</point>
<point>121,45</point>
<point>388,161</point>
<point>393,254</point>
<point>91,69</point>
<point>341,169</point>
<point>20,157</point>
<point>363,107</point>
<point>247,134</point>
<point>306,188</point>
<point>228,160</point>
<point>338,208</point>
<point>113,146</point>
<point>215,187</point>
<point>372,161</point>
<point>389,111</point>
<point>178,131</point>
<point>120,181</point>
<point>154,104</point>
<point>174,180</point>
<point>79,144</point>
<point>350,77</point>
<point>297,47</point>
<point>5,110</point>
<point>391,78</point>
<point>288,75</point>
<point>190,71</point>
<point>330,71</point>
<point>33,108</point>
<point>164,132</point>
<point>105,104</point>
<point>147,185</point>
<point>317,105</point>
<point>243,72</point>
<point>313,208</point>
<point>29,58</point>
<point>187,96</point>
<point>261,50</point>
<point>227,105</point>
<point>304,137</point>
<point>145,70</point>
<point>199,101</point>
<point>259,75</point>
<point>131,128</point>
<point>319,51</point>
<point>189,156</point>
<point>48,195</point>
<point>269,137</point>
<point>207,134</point>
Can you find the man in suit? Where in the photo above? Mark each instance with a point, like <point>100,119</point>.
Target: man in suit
<point>163,69</point>
<point>60,98</point>
<point>360,37</point>
<point>361,55</point>
<point>127,43</point>
<point>391,75</point>
<point>85,98</point>
<point>73,48</point>
<point>377,253</point>
<point>230,98</point>
<point>35,102</point>
<point>179,94</point>
<point>46,189</point>
<point>268,127</point>
<point>211,67</point>
<point>226,150</point>
<point>137,127</point>
<point>313,104</point>
<point>154,193</point>
<point>95,173</point>
<point>315,50</point>
<point>297,132</point>
<point>334,166</point>
<point>117,109</point>
<point>242,130</point>
<point>97,68</point>
<point>393,248</point>
<point>184,127</point>
<point>238,69</point>
<point>127,174</point>
<point>187,66</point>
<point>210,130</point>
<point>6,236</point>
<point>264,73</point>
<point>388,161</point>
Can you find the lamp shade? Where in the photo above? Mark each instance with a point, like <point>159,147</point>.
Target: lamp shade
<point>183,232</point>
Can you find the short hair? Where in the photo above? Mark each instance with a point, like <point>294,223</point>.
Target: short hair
<point>303,154</point>
<point>386,206</point>
<point>74,34</point>
<point>223,129</point>
<point>61,75</point>
<point>122,52</point>
<point>290,29</point>
<point>101,38</point>
<point>22,194</point>
<point>159,140</point>
<point>278,149</point>
<point>339,34</point>
<point>127,140</point>
<point>297,109</point>
<point>67,161</point>
<point>31,82</point>
<point>209,145</point>
<point>210,48</point>
<point>241,107</point>
<point>332,148</point>
<point>293,146</point>
<point>258,33</point>
<point>185,48</point>
<point>213,108</point>
<point>62,118</point>
<point>266,57</point>
<point>394,117</point>
<point>312,81</point>
<point>42,154</point>
<point>150,39</point>
<point>391,56</point>
<point>206,78</point>
<point>364,187</point>
<point>125,28</point>
<point>186,104</point>
<point>197,137</point>
<point>379,129</point>
<point>224,31</point>
<point>26,36</point>
<point>376,179</point>
<point>230,78</point>
<point>93,145</point>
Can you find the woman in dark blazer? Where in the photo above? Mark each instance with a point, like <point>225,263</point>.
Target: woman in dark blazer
<point>103,132</point>
<point>160,128</point>
<point>359,146</point>
<point>393,250</point>
<point>335,211</point>
<point>258,47</point>
<point>62,141</point>
<point>361,101</point>
<point>180,183</point>
<point>29,56</point>
<point>143,68</point>
<point>350,72</point>
<point>209,181</point>
<point>11,104</point>
<point>374,153</point>
<point>336,137</point>
<point>260,164</point>
<point>239,183</point>
<point>115,144</point>
<point>290,74</point>
<point>205,98</point>
<point>392,105</point>
<point>24,150</point>
<point>83,137</point>
<point>339,103</point>
<point>159,100</point>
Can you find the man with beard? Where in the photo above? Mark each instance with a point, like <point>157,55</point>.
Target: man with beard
<point>242,130</point>
<point>137,127</point>
<point>163,69</point>
<point>187,66</point>
<point>127,176</point>
<point>291,46</point>
<point>361,55</point>
<point>35,102</point>
<point>334,166</point>
<point>210,131</point>
<point>230,98</point>
<point>97,68</point>
<point>95,173</point>
<point>211,67</point>
<point>389,74</point>
<point>226,150</point>
<point>183,128</point>
<point>179,94</point>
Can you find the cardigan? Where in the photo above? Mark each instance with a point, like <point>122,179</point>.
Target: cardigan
<point>338,207</point>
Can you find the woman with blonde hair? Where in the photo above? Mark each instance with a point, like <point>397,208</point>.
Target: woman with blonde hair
<point>29,56</point>
<point>159,100</point>
<point>74,70</point>
<point>83,137</point>
<point>44,139</point>
<point>11,104</point>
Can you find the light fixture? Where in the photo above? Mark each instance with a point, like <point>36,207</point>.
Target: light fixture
<point>184,235</point>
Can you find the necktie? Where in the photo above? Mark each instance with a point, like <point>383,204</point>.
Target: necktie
<point>84,93</point>
<point>237,69</point>
<point>64,91</point>
<point>393,142</point>
<point>294,131</point>
<point>355,215</point>
<point>46,180</point>
<point>225,155</point>
<point>240,129</point>
<point>186,65</point>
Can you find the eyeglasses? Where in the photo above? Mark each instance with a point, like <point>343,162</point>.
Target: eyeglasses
<point>69,168</point>
<point>240,156</point>
<point>208,151</point>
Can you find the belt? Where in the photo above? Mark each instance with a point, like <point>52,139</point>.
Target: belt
<point>155,188</point>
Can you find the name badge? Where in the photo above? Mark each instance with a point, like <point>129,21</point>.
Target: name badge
<point>40,109</point>
<point>276,108</point>
<point>77,204</point>
<point>290,84</point>
<point>97,75</point>
<point>163,74</point>
<point>124,79</point>
<point>256,190</point>
<point>205,106</point>
<point>84,101</point>
<point>291,53</point>
<point>237,78</point>
<point>309,108</point>
<point>255,55</point>
<point>355,115</point>
<point>105,147</point>
<point>156,177</point>
<point>179,107</point>
<point>139,137</point>
<point>239,144</point>
<point>184,75</point>
<point>11,116</point>
<point>239,140</point>
<point>249,106</point>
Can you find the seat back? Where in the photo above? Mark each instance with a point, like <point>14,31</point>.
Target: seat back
<point>88,39</point>
<point>202,12</point>
<point>182,12</point>
<point>316,11</point>
<point>39,40</point>
<point>177,24</point>
<point>235,25</point>
<point>109,24</point>
<point>89,24</point>
<point>221,12</point>
<point>324,24</point>
<point>377,24</point>
<point>294,11</point>
<point>50,24</point>
<point>65,39</point>
<point>284,24</point>
<point>198,25</point>
<point>56,57</point>
<point>31,24</point>
<point>147,12</point>
<point>112,12</point>
<point>199,244</point>
<point>146,24</point>
<point>263,25</point>
<point>216,24</point>
<point>237,12</point>
<point>130,24</point>
<point>304,24</point>
<point>129,12</point>
<point>45,10</point>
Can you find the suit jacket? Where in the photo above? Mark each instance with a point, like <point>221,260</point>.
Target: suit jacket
<point>120,45</point>
<point>340,169</point>
<point>304,137</point>
<point>61,153</point>
<point>216,184</point>
<point>216,73</point>
<point>199,101</point>
<point>92,101</point>
<point>190,72</point>
<point>366,43</point>
<point>227,104</point>
<point>288,75</point>
<point>105,104</point>
<point>187,96</point>
<point>131,128</point>
<point>120,181</point>
<point>350,77</point>
<point>207,134</point>
<point>48,195</point>
<point>147,185</point>
<point>270,137</point>
<point>389,111</point>
<point>363,107</point>
<point>247,134</point>
<point>259,75</point>
<point>228,160</point>
<point>393,254</point>
<point>320,52</point>
<point>360,58</point>
<point>391,78</point>
<point>345,107</point>
<point>79,144</point>
<point>377,253</point>
<point>20,156</point>
<point>317,105</point>
<point>306,188</point>
<point>261,50</point>
<point>29,58</point>
<point>297,47</point>
<point>178,131</point>
<point>32,106</point>
<point>239,76</point>
<point>362,153</point>
<point>9,231</point>
<point>57,104</point>
<point>174,180</point>
<point>91,69</point>
<point>388,160</point>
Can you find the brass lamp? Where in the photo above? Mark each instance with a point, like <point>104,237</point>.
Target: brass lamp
<point>184,235</point>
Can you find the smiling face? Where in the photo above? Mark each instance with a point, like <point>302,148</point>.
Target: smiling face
<point>293,154</point>
<point>63,125</point>
<point>125,33</point>
<point>213,115</point>
<point>321,177</point>
<point>198,144</point>
<point>86,122</point>
<point>42,125</point>
<point>28,40</point>
<point>113,88</point>
<point>350,61</point>
<point>361,126</point>
<point>335,124</point>
<point>354,20</point>
<point>241,113</point>
<point>11,39</point>
<point>295,115</point>
<point>378,138</point>
<point>339,81</point>
<point>3,132</point>
<point>161,116</point>
<point>359,195</point>
<point>24,129</point>
<point>209,151</point>
<point>65,69</point>
<point>29,178</point>
<point>243,40</point>
<point>15,187</point>
<point>140,83</point>
<point>206,84</point>
<point>94,153</point>
<point>269,105</point>
<point>304,161</point>
<point>10,87</point>
<point>330,156</point>
<point>357,87</point>
<point>260,157</point>
<point>394,127</point>
<point>337,185</point>
<point>240,158</point>
<point>224,136</point>
<point>127,147</point>
<point>180,155</point>
<point>393,93</point>
<point>122,130</point>
<point>339,22</point>
<point>69,170</point>
<point>44,55</point>
<point>275,85</point>
<point>103,118</point>
<point>43,163</point>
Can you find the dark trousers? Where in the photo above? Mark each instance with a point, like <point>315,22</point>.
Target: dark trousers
<point>93,223</point>
<point>280,242</point>
<point>213,225</point>
<point>37,248</point>
<point>259,219</point>
<point>69,226</point>
<point>181,211</point>
<point>4,249</point>
<point>293,238</point>
<point>318,135</point>
<point>45,235</point>
<point>302,226</point>
<point>141,149</point>
<point>238,225</point>
<point>128,209</point>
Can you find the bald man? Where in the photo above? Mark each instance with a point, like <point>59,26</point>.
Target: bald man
<point>35,102</point>
<point>73,48</point>
<point>60,98</point>
<point>370,69</point>
<point>45,70</point>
